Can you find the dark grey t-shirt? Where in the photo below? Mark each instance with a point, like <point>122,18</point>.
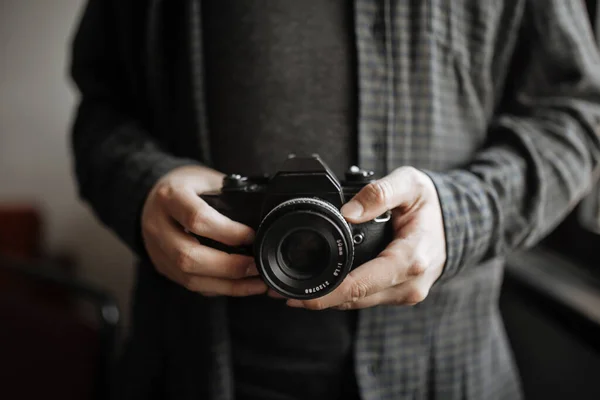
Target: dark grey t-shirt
<point>281,79</point>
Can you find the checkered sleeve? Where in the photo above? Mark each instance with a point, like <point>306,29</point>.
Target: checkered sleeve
<point>544,148</point>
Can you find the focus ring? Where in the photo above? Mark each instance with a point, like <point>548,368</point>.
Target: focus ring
<point>307,200</point>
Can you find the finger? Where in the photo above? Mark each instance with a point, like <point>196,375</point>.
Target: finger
<point>187,255</point>
<point>198,178</point>
<point>405,294</point>
<point>399,262</point>
<point>162,264</point>
<point>402,188</point>
<point>209,287</point>
<point>391,267</point>
<point>195,259</point>
<point>275,295</point>
<point>195,215</point>
<point>351,289</point>
<point>370,301</point>
<point>226,287</point>
<point>204,179</point>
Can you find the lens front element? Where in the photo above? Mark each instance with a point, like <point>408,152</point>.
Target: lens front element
<point>305,253</point>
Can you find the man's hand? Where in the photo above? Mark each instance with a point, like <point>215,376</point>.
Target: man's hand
<point>174,206</point>
<point>404,272</point>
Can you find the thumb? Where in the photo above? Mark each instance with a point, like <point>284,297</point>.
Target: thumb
<point>401,188</point>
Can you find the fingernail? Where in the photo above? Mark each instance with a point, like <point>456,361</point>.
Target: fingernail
<point>295,303</point>
<point>352,209</point>
<point>251,270</point>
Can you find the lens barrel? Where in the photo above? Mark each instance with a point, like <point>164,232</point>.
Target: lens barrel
<point>304,248</point>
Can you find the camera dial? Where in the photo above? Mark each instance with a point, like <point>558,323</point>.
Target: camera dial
<point>234,181</point>
<point>356,175</point>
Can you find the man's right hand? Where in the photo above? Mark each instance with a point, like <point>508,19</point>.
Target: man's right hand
<point>172,207</point>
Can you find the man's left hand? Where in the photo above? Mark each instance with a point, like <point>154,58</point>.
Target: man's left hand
<point>403,273</point>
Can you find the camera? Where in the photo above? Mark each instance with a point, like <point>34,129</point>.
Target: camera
<point>303,246</point>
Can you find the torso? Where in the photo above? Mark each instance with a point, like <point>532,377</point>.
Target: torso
<point>280,78</point>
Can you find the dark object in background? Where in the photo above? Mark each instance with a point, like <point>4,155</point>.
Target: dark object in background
<point>21,238</point>
<point>551,310</point>
<point>20,231</point>
<point>49,350</point>
<point>304,247</point>
<point>48,347</point>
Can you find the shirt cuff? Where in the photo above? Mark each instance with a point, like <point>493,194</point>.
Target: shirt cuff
<point>468,222</point>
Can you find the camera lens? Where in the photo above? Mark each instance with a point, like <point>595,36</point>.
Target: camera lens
<point>304,253</point>
<point>304,248</point>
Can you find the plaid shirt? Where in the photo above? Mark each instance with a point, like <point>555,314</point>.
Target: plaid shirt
<point>497,100</point>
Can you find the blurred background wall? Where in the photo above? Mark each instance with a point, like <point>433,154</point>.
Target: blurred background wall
<point>36,109</point>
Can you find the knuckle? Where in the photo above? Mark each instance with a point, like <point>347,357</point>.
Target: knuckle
<point>417,267</point>
<point>164,192</point>
<point>317,305</point>
<point>345,306</point>
<point>416,178</point>
<point>195,220</point>
<point>358,290</point>
<point>183,261</point>
<point>415,295</point>
<point>379,192</point>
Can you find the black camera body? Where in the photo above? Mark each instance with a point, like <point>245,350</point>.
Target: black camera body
<point>303,248</point>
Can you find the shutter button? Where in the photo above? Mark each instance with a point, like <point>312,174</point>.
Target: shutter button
<point>355,174</point>
<point>234,181</point>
